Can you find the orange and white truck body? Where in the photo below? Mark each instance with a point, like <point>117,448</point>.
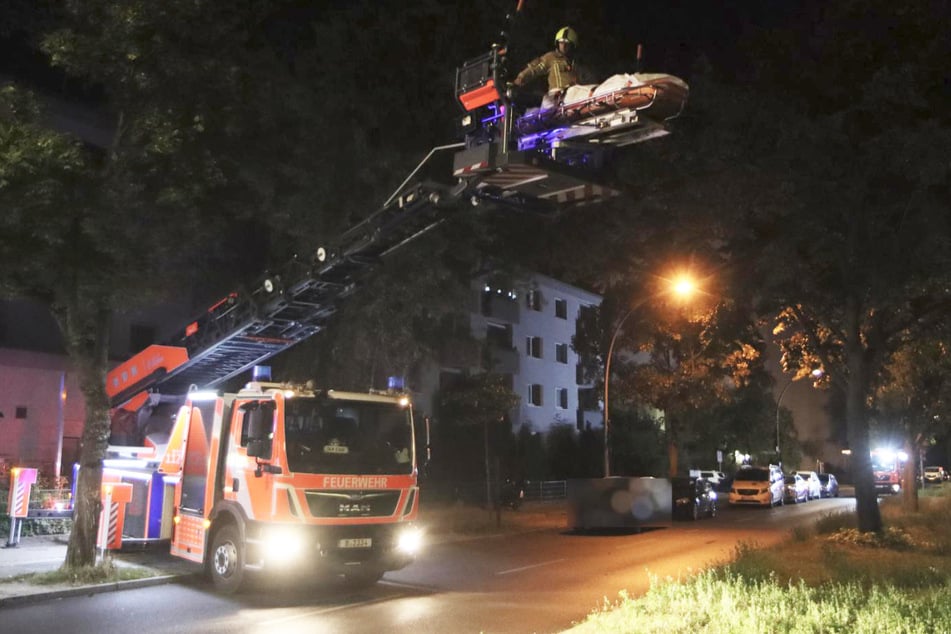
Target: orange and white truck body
<point>275,475</point>
<point>887,468</point>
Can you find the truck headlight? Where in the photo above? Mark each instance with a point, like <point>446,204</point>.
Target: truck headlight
<point>282,545</point>
<point>410,540</point>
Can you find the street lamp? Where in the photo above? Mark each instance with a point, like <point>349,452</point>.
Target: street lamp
<point>815,374</point>
<point>683,286</point>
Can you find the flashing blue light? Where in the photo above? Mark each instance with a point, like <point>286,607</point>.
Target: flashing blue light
<point>394,383</point>
<point>261,373</point>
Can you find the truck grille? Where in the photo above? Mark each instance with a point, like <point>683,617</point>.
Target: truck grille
<point>352,503</point>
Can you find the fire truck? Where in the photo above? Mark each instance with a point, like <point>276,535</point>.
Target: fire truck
<point>887,465</point>
<point>274,473</point>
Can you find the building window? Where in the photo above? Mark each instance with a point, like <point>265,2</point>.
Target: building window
<point>533,300</point>
<point>21,412</point>
<point>535,395</point>
<point>562,395</point>
<point>561,308</point>
<point>561,352</point>
<point>533,347</point>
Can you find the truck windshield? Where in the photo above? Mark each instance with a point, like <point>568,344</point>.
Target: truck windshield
<point>352,437</point>
<point>883,464</point>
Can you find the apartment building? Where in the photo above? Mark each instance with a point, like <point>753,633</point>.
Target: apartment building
<point>526,331</point>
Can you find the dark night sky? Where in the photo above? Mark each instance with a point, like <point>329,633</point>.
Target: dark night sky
<point>674,32</point>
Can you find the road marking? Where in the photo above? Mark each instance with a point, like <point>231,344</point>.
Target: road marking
<point>511,570</point>
<point>327,610</point>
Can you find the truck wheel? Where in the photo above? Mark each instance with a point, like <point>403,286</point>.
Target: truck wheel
<point>226,560</point>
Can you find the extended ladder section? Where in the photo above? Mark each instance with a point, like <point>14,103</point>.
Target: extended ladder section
<point>547,170</point>
<point>247,327</point>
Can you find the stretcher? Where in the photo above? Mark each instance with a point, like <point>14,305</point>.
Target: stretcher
<point>624,109</point>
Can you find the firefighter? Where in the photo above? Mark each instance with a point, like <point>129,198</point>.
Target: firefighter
<point>559,65</point>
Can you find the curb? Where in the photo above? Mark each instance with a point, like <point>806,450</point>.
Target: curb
<point>89,590</point>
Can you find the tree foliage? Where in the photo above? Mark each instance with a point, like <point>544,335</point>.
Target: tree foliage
<point>913,403</point>
<point>827,184</point>
<point>200,106</point>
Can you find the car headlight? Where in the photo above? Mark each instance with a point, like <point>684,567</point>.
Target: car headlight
<point>410,540</point>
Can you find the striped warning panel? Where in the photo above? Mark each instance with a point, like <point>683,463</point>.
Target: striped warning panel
<point>471,169</point>
<point>516,176</point>
<point>113,524</point>
<point>581,194</point>
<point>20,503</point>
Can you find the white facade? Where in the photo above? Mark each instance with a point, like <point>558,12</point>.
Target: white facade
<point>537,323</point>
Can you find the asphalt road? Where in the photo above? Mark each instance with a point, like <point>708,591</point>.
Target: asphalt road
<point>534,582</point>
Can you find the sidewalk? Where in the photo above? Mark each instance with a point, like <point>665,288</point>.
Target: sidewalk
<point>47,553</point>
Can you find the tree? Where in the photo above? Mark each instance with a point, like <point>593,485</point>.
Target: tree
<point>90,230</point>
<point>833,221</point>
<point>697,361</point>
<point>914,400</point>
<point>477,403</point>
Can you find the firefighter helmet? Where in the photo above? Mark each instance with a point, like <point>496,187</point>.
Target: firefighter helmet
<point>566,34</point>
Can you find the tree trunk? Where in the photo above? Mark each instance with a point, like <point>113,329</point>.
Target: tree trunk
<point>866,500</point>
<point>673,427</point>
<point>672,460</point>
<point>85,328</point>
<point>909,482</point>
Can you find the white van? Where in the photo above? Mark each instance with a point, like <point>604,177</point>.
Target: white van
<point>759,486</point>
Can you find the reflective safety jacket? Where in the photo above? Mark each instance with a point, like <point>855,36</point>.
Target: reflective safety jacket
<point>562,71</point>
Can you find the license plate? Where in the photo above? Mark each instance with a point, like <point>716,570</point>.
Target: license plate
<point>357,542</point>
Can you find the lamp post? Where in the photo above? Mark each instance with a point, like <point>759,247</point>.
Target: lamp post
<point>779,402</point>
<point>683,286</point>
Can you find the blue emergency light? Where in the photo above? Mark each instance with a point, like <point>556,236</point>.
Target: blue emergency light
<point>261,373</point>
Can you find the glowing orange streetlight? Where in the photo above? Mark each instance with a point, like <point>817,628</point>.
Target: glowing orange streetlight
<point>684,287</point>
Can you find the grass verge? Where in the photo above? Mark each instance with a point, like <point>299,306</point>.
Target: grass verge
<point>106,572</point>
<point>829,578</point>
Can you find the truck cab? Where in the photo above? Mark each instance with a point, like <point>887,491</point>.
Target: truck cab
<point>277,475</point>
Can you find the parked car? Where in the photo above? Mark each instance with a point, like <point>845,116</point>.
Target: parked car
<point>812,479</point>
<point>935,474</point>
<point>761,486</point>
<point>693,498</point>
<point>716,477</point>
<point>796,490</point>
<point>829,485</point>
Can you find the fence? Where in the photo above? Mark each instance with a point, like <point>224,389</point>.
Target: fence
<point>474,492</point>
<point>545,491</point>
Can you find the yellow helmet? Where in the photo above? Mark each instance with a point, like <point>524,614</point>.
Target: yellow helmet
<point>566,34</point>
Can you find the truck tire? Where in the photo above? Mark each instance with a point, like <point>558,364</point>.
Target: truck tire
<point>226,560</point>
